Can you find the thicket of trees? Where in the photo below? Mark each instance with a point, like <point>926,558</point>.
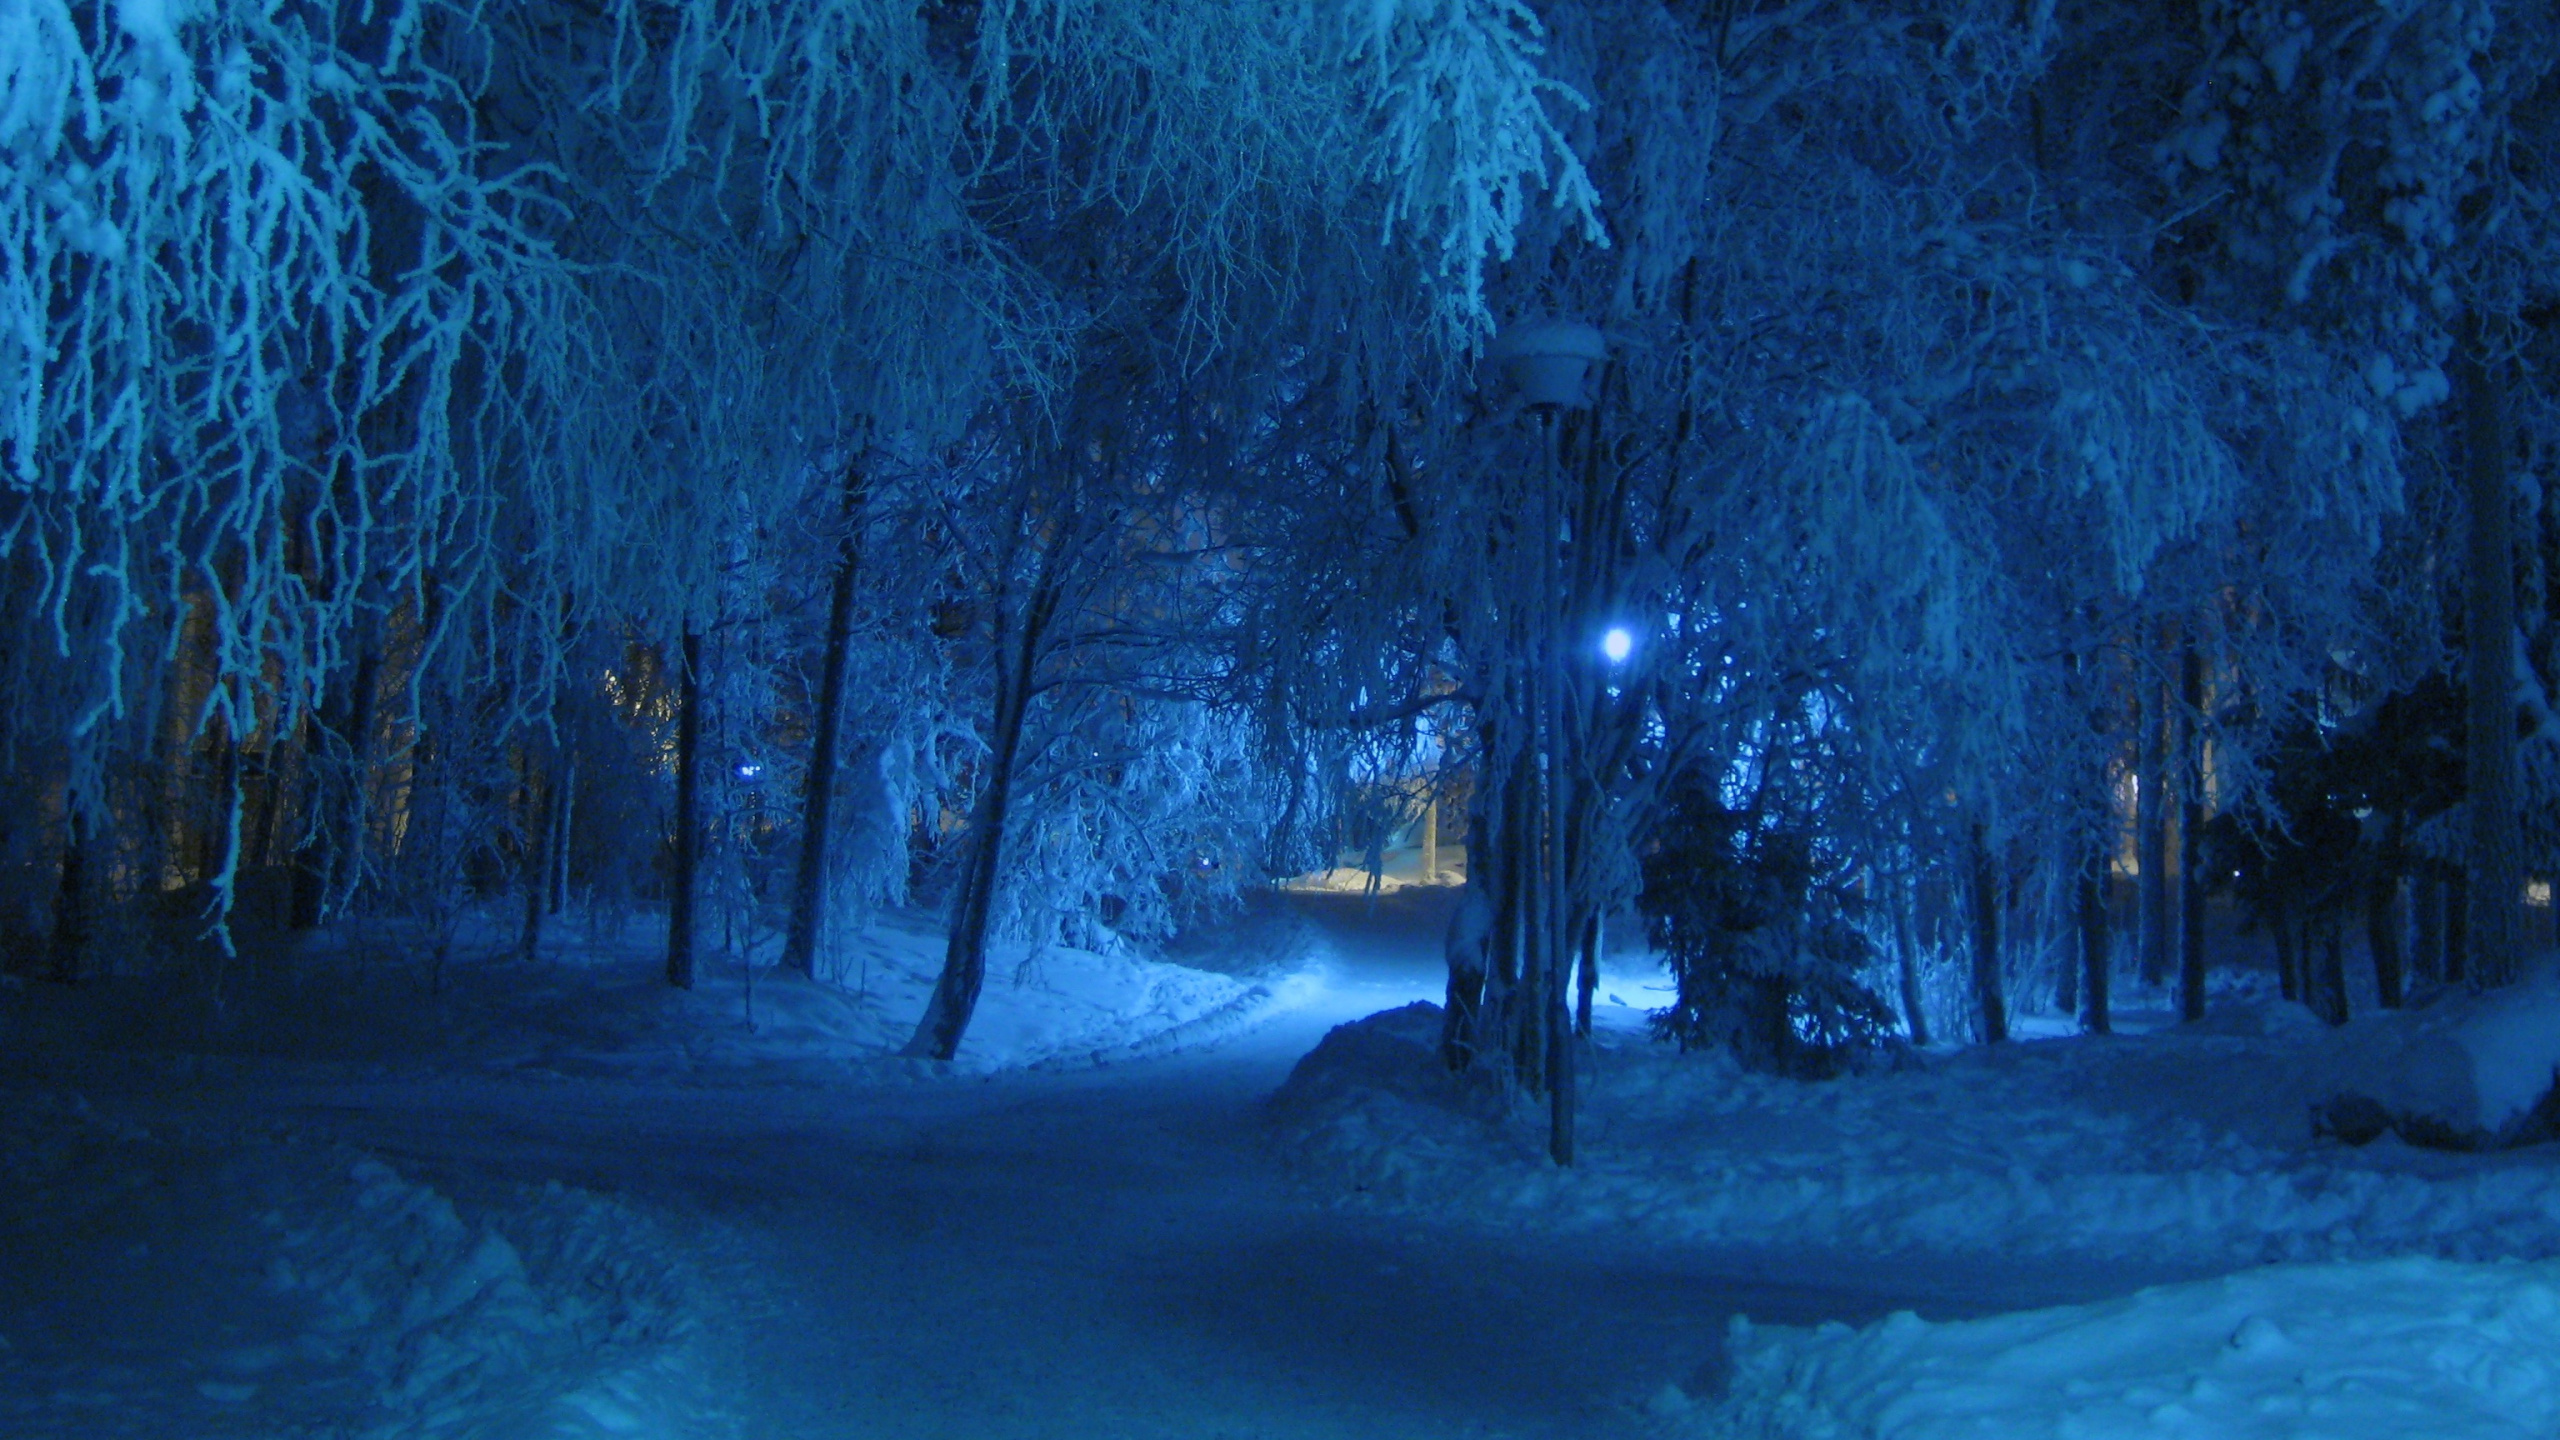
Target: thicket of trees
<point>1063,459</point>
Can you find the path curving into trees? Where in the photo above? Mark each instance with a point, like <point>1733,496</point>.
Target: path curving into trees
<point>1112,1251</point>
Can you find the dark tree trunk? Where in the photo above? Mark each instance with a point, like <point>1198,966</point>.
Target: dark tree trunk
<point>540,801</point>
<point>2333,971</point>
<point>2067,972</point>
<point>2280,925</point>
<point>347,817</point>
<point>1530,1001</point>
<point>2489,635</point>
<point>223,843</point>
<point>1990,1005</point>
<point>68,948</point>
<point>260,848</point>
<point>688,837</point>
<point>2095,941</point>
<point>2382,923</point>
<point>964,956</point>
<point>2457,928</point>
<point>327,862</point>
<point>310,890</point>
<point>2426,902</point>
<point>2191,857</point>
<point>810,884</point>
<point>2151,837</point>
<point>1491,853</point>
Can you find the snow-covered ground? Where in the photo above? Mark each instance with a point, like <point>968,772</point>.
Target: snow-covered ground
<point>368,1196</point>
<point>2192,1149</point>
<point>2359,1290</point>
<point>191,1244</point>
<point>2370,1350</point>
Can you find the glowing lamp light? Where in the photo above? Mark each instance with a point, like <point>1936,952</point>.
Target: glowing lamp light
<point>1618,644</point>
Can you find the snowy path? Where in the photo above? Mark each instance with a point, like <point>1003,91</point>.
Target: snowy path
<point>1088,1253</point>
<point>1092,1252</point>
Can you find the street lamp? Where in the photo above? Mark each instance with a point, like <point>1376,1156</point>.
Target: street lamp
<point>1553,362</point>
<point>1555,365</point>
<point>1618,644</point>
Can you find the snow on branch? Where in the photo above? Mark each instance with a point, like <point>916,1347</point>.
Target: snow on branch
<point>1467,134</point>
<point>261,290</point>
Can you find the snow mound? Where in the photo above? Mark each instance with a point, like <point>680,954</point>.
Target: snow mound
<point>1373,1107</point>
<point>2472,1071</point>
<point>2186,1149</point>
<point>596,1003</point>
<point>2384,1350</point>
<point>180,1280</point>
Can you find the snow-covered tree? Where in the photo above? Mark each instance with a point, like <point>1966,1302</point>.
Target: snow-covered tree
<point>2381,173</point>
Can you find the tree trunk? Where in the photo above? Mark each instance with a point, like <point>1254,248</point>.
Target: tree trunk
<point>2426,902</point>
<point>2382,936</point>
<point>1491,852</point>
<point>222,859</point>
<point>2457,927</point>
<point>347,814</point>
<point>688,837</point>
<point>2067,972</point>
<point>310,889</point>
<point>1906,939</point>
<point>328,861</point>
<point>2489,636</point>
<point>1588,978</point>
<point>2096,940</point>
<point>260,848</point>
<point>68,947</point>
<point>1431,841</point>
<point>2280,924</point>
<point>2333,971</point>
<point>2151,832</point>
<point>964,956</point>
<point>811,884</point>
<point>1991,1007</point>
<point>540,800</point>
<point>2191,857</point>
<point>1529,996</point>
<point>563,803</point>
<point>1470,933</point>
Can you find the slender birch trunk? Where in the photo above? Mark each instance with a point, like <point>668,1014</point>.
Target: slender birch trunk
<point>688,837</point>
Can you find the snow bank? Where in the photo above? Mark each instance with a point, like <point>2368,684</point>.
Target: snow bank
<point>596,1003</point>
<point>2470,1070</point>
<point>2190,1149</point>
<point>2383,1350</point>
<point>173,1280</point>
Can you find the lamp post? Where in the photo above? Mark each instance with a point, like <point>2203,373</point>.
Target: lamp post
<point>1555,365</point>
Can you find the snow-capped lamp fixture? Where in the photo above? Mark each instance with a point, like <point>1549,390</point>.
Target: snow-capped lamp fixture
<point>1555,363</point>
